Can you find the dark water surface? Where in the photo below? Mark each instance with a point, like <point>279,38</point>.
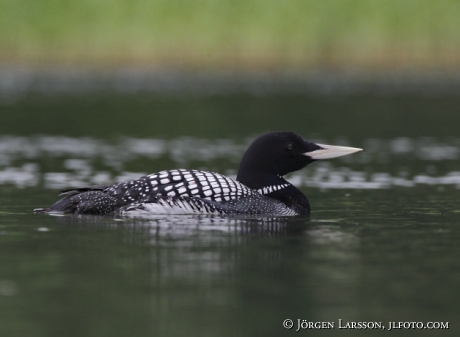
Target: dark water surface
<point>382,244</point>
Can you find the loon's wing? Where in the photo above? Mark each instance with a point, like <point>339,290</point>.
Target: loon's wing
<point>169,192</point>
<point>192,191</point>
<point>189,191</point>
<point>180,183</point>
<point>185,187</point>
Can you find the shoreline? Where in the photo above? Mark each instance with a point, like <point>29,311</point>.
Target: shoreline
<point>16,80</point>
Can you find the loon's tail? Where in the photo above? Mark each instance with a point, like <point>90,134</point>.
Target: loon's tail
<point>87,200</point>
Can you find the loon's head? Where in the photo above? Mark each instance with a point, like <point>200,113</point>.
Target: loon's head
<point>275,154</point>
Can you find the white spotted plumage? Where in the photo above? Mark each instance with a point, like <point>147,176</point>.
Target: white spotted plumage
<point>191,191</point>
<point>193,183</point>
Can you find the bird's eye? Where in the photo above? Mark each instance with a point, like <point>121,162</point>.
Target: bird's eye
<point>289,148</point>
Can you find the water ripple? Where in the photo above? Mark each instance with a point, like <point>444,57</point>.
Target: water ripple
<point>58,162</point>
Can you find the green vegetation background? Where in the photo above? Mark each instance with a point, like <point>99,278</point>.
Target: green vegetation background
<point>231,33</point>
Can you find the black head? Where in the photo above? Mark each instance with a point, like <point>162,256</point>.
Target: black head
<point>278,153</point>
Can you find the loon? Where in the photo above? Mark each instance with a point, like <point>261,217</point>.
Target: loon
<point>259,188</point>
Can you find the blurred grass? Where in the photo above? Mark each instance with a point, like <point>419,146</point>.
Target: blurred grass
<point>231,34</point>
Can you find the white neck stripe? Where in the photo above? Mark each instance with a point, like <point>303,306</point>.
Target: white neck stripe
<point>270,189</point>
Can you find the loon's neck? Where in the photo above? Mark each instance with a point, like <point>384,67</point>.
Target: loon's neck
<point>292,198</point>
<point>287,194</point>
<point>260,179</point>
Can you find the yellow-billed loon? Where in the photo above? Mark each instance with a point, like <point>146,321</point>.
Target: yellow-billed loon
<point>259,188</point>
